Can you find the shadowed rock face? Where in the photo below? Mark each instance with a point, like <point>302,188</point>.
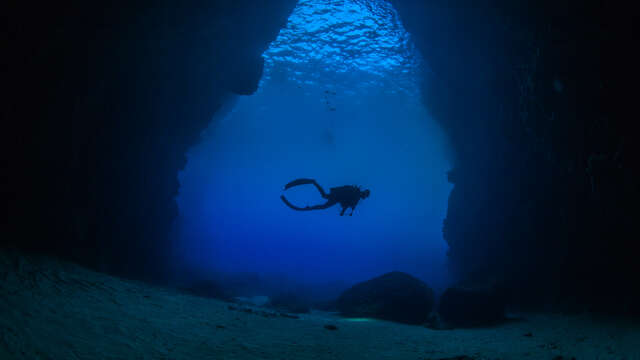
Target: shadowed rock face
<point>533,96</point>
<point>101,103</point>
<point>395,296</point>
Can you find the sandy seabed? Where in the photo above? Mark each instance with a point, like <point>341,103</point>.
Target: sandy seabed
<point>56,310</point>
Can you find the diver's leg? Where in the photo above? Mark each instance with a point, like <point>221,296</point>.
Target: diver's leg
<point>307,181</point>
<point>320,189</point>
<point>353,208</point>
<point>326,205</point>
<point>286,202</point>
<point>343,210</point>
<point>299,182</point>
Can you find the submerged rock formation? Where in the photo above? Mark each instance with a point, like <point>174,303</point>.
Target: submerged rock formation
<point>536,99</point>
<point>394,296</point>
<point>103,102</point>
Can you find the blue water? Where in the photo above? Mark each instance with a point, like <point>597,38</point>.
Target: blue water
<point>338,102</point>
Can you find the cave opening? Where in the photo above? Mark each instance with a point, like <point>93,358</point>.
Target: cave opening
<point>107,104</point>
<point>339,102</point>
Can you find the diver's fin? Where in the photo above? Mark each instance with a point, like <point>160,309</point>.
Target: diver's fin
<point>299,182</point>
<point>286,202</point>
<point>327,205</point>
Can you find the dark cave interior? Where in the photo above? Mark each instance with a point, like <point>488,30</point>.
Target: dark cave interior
<point>102,102</point>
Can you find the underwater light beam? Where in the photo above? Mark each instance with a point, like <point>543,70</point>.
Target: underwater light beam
<point>340,115</point>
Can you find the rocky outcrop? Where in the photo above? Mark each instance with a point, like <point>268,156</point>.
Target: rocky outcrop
<point>102,103</point>
<point>394,296</point>
<point>535,97</point>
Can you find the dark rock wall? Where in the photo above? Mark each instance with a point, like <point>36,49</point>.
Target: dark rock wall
<point>536,97</point>
<point>101,102</point>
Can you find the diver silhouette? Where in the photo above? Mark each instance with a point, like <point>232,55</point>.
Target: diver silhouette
<point>347,196</point>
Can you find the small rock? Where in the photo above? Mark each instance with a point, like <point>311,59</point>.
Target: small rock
<point>330,327</point>
<point>528,334</point>
<point>262,313</point>
<point>289,316</point>
<point>220,326</point>
<point>253,300</point>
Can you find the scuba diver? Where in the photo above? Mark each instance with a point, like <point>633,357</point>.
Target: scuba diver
<point>347,196</point>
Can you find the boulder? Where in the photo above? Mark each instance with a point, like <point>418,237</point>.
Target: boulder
<point>394,296</point>
<point>471,306</point>
<point>258,300</point>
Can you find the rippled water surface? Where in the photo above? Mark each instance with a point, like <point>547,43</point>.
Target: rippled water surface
<point>339,43</point>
